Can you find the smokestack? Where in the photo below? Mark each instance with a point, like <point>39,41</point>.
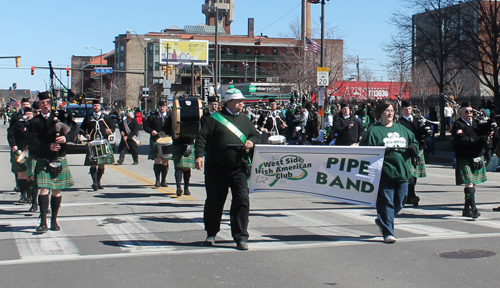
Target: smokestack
<point>251,28</point>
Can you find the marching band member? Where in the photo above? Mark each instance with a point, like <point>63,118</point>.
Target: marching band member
<point>52,170</point>
<point>97,126</point>
<point>18,131</point>
<point>347,127</point>
<point>273,122</point>
<point>418,126</point>
<point>128,129</point>
<point>468,143</point>
<point>226,166</point>
<point>154,125</point>
<point>31,164</point>
<point>213,106</point>
<point>15,117</point>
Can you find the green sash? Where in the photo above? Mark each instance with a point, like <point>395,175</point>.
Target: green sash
<point>219,118</point>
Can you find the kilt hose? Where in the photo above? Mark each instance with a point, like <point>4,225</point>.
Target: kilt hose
<point>464,174</point>
<point>45,180</point>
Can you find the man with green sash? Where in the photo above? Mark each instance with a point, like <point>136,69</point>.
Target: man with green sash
<point>226,139</point>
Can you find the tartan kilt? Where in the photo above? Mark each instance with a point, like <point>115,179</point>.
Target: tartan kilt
<point>44,180</point>
<point>31,165</point>
<point>153,151</point>
<point>464,174</point>
<point>419,170</point>
<point>179,160</point>
<point>17,167</point>
<point>110,159</point>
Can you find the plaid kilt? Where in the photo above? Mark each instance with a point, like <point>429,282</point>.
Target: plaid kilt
<point>110,159</point>
<point>464,174</point>
<point>17,167</point>
<point>153,151</point>
<point>44,180</point>
<point>419,170</point>
<point>179,160</point>
<point>31,165</point>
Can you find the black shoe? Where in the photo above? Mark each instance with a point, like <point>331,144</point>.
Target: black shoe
<point>54,226</point>
<point>164,184</point>
<point>466,213</point>
<point>16,189</point>
<point>179,192</point>
<point>34,207</point>
<point>475,214</point>
<point>210,241</point>
<point>120,162</point>
<point>95,187</point>
<point>100,186</point>
<point>186,192</point>
<point>241,245</point>
<point>157,184</point>
<point>497,209</point>
<point>415,201</point>
<point>135,163</point>
<point>42,228</point>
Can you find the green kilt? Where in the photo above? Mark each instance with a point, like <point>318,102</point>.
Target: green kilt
<point>17,167</point>
<point>31,165</point>
<point>419,170</point>
<point>179,160</point>
<point>153,151</point>
<point>44,180</point>
<point>110,159</point>
<point>464,173</point>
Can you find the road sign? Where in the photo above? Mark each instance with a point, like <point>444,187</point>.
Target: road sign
<point>105,70</point>
<point>166,92</point>
<point>323,76</point>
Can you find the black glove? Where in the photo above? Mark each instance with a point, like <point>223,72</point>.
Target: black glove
<point>413,149</point>
<point>428,131</point>
<point>477,164</point>
<point>415,161</point>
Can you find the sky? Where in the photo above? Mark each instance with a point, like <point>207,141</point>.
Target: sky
<point>55,30</point>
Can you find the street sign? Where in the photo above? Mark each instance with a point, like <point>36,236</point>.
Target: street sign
<point>166,92</point>
<point>167,84</point>
<point>323,76</point>
<point>105,70</point>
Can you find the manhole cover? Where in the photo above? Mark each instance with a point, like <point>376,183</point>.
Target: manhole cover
<point>467,254</point>
<point>113,221</point>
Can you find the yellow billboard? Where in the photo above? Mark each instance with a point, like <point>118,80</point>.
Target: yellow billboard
<point>183,51</point>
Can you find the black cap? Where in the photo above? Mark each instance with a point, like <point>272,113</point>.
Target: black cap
<point>35,106</point>
<point>162,103</point>
<point>96,101</point>
<point>213,99</point>
<point>465,105</point>
<point>44,95</point>
<point>405,103</point>
<point>25,100</point>
<point>28,109</point>
<point>272,100</point>
<point>344,105</point>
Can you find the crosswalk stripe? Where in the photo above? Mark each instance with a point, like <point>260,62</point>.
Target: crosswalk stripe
<point>421,229</point>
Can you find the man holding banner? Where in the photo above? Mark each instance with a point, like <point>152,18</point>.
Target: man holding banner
<point>400,145</point>
<point>226,138</point>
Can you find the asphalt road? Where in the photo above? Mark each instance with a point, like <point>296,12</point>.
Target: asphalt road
<point>133,235</point>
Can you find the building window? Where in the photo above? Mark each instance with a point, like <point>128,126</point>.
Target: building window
<point>157,66</point>
<point>235,51</point>
<point>275,51</point>
<point>256,52</point>
<point>228,51</point>
<point>84,63</point>
<point>157,50</point>
<point>249,50</point>
<point>275,66</point>
<point>222,65</point>
<point>122,64</point>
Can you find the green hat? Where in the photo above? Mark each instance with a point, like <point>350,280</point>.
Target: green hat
<point>233,93</point>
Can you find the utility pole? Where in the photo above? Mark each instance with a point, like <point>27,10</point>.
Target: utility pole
<point>216,67</point>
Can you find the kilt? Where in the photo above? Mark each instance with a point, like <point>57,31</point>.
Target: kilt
<point>110,159</point>
<point>17,167</point>
<point>153,151</point>
<point>179,160</point>
<point>464,174</point>
<point>419,170</point>
<point>44,180</point>
<point>31,165</point>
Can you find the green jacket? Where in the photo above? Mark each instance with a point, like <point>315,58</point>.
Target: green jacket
<point>397,164</point>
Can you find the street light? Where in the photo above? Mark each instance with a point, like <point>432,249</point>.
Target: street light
<point>246,69</point>
<point>101,68</point>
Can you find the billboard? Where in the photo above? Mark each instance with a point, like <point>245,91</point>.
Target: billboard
<point>367,91</point>
<point>183,52</point>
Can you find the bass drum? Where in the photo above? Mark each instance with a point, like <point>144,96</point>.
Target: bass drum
<point>186,115</point>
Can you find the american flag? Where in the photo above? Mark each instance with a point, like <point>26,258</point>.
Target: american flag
<point>14,102</point>
<point>312,46</point>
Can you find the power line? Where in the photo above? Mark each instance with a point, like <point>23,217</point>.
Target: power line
<point>280,18</point>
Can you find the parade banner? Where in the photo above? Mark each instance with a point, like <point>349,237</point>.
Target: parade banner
<point>343,173</point>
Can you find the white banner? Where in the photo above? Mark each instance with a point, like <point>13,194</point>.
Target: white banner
<point>342,173</point>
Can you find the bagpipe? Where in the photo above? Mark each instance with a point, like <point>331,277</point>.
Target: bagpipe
<point>478,115</point>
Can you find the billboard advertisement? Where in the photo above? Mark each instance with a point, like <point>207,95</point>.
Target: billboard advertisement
<point>183,52</point>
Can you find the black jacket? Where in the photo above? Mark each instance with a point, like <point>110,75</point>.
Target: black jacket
<point>346,136</point>
<point>415,127</point>
<point>90,122</point>
<point>468,140</point>
<point>155,122</point>
<point>134,128</point>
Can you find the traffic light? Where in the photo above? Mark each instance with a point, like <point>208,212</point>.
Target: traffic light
<point>164,70</point>
<point>18,62</point>
<point>67,71</point>
<point>32,70</point>
<point>170,69</point>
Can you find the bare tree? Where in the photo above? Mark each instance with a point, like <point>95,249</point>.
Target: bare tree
<point>421,86</point>
<point>399,65</point>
